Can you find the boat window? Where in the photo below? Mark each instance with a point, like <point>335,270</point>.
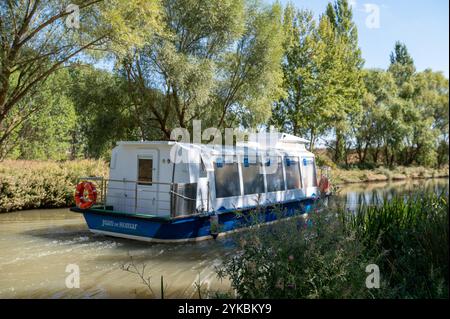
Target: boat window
<point>227,179</point>
<point>309,172</point>
<point>292,172</point>
<point>252,176</point>
<point>275,178</point>
<point>145,171</point>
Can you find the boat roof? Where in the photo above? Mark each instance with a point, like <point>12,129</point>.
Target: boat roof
<point>260,143</point>
<point>259,140</point>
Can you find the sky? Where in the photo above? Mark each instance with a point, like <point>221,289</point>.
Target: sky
<point>421,24</point>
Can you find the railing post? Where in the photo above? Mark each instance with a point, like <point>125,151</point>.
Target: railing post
<point>104,192</point>
<point>172,200</point>
<point>207,199</point>
<point>135,196</point>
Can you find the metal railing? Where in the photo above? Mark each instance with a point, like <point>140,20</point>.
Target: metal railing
<point>174,199</point>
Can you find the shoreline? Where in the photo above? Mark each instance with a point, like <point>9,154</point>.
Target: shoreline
<point>387,180</point>
<point>29,185</point>
<point>339,184</point>
<point>353,176</point>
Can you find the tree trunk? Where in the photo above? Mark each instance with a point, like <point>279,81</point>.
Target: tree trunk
<point>339,150</point>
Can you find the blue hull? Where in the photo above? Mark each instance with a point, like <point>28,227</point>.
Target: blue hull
<point>191,228</point>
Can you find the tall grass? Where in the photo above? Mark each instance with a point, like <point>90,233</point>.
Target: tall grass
<point>325,254</point>
<point>413,234</point>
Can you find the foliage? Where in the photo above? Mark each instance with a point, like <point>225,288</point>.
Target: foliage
<point>217,59</point>
<point>324,255</point>
<point>135,70</point>
<point>302,258</point>
<point>414,237</point>
<point>322,72</point>
<point>105,113</point>
<point>35,184</point>
<point>37,41</point>
<point>47,132</point>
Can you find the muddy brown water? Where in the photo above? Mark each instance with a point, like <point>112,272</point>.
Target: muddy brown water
<point>36,247</point>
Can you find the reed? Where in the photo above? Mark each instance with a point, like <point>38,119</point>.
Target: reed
<point>325,254</point>
<point>412,234</point>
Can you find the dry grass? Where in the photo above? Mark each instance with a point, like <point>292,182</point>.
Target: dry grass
<point>43,184</point>
<point>343,176</point>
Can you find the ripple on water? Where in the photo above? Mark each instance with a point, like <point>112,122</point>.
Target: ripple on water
<point>36,247</point>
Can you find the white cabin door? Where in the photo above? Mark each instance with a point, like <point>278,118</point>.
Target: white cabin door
<point>146,190</point>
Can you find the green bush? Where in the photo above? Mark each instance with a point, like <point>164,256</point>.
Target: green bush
<point>324,160</point>
<point>325,254</point>
<point>298,258</point>
<point>35,184</point>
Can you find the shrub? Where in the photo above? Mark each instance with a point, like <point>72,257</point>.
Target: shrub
<point>301,258</point>
<point>325,254</point>
<point>413,233</point>
<point>35,184</point>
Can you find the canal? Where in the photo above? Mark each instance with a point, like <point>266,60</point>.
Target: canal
<point>37,246</point>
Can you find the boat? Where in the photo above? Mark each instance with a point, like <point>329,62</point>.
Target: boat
<point>169,191</point>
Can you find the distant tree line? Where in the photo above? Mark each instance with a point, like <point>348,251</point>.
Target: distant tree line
<point>230,63</point>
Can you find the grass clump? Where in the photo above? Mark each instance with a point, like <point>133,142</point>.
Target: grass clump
<point>325,254</point>
<point>413,234</point>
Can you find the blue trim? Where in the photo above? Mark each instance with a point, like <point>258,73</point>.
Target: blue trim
<point>188,227</point>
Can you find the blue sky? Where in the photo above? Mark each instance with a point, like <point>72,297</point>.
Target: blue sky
<point>422,25</point>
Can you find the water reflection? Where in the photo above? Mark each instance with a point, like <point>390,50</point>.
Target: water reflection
<point>351,196</point>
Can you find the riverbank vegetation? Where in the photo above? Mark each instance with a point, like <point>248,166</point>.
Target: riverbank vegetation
<point>37,184</point>
<point>325,255</point>
<point>381,174</point>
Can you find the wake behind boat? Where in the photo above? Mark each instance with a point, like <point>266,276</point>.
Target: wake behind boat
<point>171,191</point>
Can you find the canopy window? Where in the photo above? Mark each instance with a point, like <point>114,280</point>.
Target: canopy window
<point>275,177</point>
<point>227,178</point>
<point>309,172</point>
<point>253,177</point>
<point>292,172</point>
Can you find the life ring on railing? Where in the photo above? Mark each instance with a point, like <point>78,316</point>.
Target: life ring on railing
<point>87,201</point>
<point>324,185</point>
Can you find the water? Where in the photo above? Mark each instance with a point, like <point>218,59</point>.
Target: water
<point>36,247</point>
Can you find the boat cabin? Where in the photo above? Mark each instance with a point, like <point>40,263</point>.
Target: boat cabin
<point>173,179</point>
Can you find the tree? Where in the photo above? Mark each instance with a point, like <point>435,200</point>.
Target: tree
<point>370,131</point>
<point>45,134</point>
<point>104,111</point>
<point>36,42</point>
<point>430,124</point>
<point>402,64</point>
<point>350,88</point>
<point>313,66</point>
<point>300,112</point>
<point>219,61</point>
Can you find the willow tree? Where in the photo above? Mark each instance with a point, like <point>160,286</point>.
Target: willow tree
<point>218,61</point>
<point>37,38</point>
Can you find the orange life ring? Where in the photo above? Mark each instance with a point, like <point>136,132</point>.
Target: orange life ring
<point>83,201</point>
<point>324,185</point>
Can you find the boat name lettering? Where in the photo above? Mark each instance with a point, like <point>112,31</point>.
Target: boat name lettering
<point>111,223</point>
